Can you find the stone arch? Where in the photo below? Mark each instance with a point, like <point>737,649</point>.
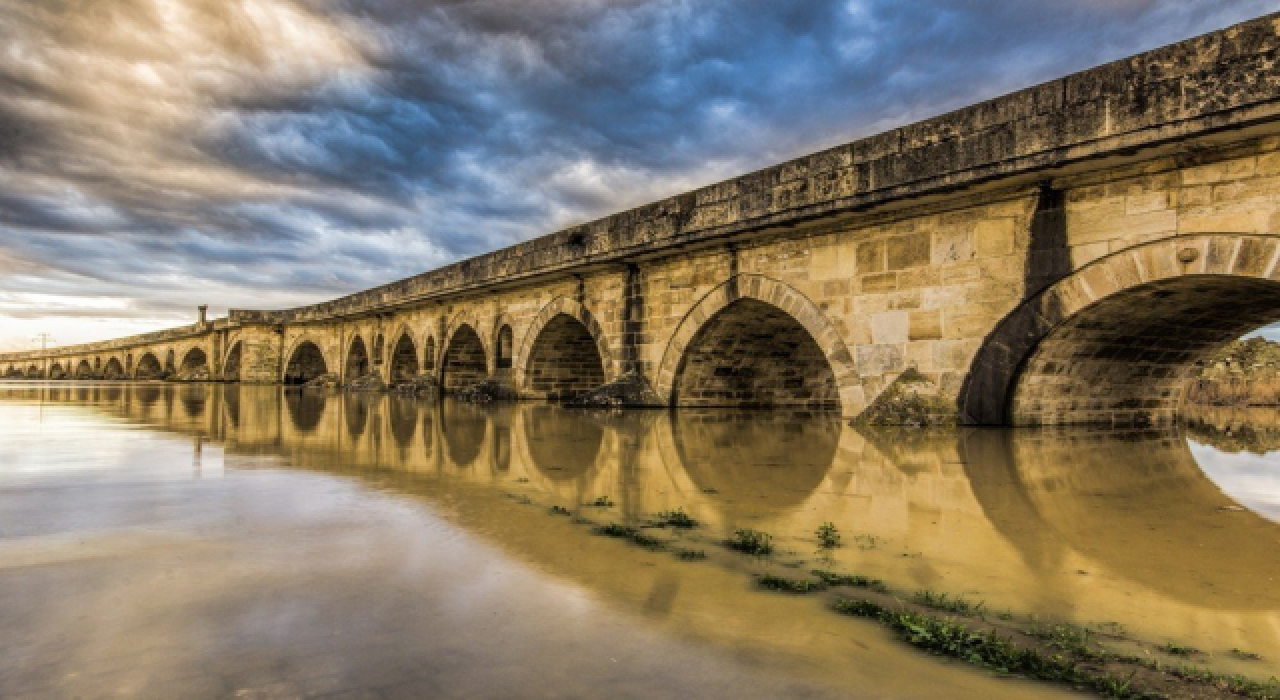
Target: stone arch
<point>357,362</point>
<point>429,354</point>
<point>169,366</point>
<point>404,357</point>
<point>504,345</point>
<point>33,372</point>
<point>464,362</point>
<point>760,375</point>
<point>113,369</point>
<point>564,352</point>
<point>378,348</point>
<point>13,373</point>
<point>574,310</point>
<point>83,370</point>
<point>57,371</point>
<point>233,360</point>
<point>306,362</point>
<point>194,360</point>
<point>1116,341</point>
<point>149,367</point>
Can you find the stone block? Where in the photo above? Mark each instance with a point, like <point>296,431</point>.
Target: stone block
<point>952,246</point>
<point>994,238</point>
<point>890,327</point>
<point>903,252</point>
<point>925,325</point>
<point>870,257</point>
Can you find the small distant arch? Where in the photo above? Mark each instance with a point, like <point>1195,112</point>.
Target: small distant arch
<point>169,367</point>
<point>429,356</point>
<point>357,364</point>
<point>504,349</point>
<point>83,370</point>
<point>57,371</point>
<point>379,344</point>
<point>33,372</point>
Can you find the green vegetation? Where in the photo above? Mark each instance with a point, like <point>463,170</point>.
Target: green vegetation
<point>675,518</point>
<point>1243,373</point>
<point>690,554</point>
<point>1232,683</point>
<point>828,536</point>
<point>522,480</point>
<point>1246,655</point>
<point>560,510</point>
<point>1072,639</point>
<point>941,601</point>
<point>627,532</point>
<point>1177,649</point>
<point>947,637</point>
<point>751,542</point>
<point>833,579</point>
<point>602,502</point>
<point>789,585</point>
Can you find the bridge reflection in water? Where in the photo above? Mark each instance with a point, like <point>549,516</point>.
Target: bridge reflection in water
<point>1088,526</point>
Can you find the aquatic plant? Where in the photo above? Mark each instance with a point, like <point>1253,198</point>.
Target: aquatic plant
<point>948,637</point>
<point>1178,649</point>
<point>690,554</point>
<point>828,536</point>
<point>789,585</point>
<point>751,541</point>
<point>629,533</point>
<point>1246,655</point>
<point>832,578</point>
<point>675,518</point>
<point>1075,640</point>
<point>602,502</point>
<point>945,603</point>
<point>560,510</point>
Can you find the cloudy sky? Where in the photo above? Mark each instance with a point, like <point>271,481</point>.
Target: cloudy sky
<point>159,154</point>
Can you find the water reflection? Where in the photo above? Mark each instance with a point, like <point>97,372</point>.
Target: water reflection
<point>1086,525</point>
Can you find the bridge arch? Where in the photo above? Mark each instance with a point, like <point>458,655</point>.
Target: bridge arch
<point>1116,341</point>
<point>83,370</point>
<point>113,369</point>
<point>306,362</point>
<point>194,360</point>
<point>357,362</point>
<point>33,372</point>
<point>169,366</point>
<point>57,371</point>
<point>404,363</point>
<point>504,343</point>
<point>148,367</point>
<point>563,353</point>
<point>465,361</point>
<point>753,342</point>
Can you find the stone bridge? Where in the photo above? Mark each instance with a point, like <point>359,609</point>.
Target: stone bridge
<point>1066,253</point>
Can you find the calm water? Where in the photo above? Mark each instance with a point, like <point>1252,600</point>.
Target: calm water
<point>162,541</point>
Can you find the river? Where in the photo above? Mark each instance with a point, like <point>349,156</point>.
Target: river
<point>162,540</point>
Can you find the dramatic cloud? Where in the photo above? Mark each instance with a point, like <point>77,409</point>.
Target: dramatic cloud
<point>157,154</point>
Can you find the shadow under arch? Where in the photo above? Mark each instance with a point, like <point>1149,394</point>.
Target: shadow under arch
<point>760,341</point>
<point>555,351</point>
<point>464,363</point>
<point>306,362</point>
<point>1116,341</point>
<point>1134,502</point>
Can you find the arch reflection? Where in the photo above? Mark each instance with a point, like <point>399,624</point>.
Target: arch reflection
<point>563,445</point>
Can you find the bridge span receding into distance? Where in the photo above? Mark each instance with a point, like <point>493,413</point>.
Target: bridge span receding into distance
<point>1065,253</point>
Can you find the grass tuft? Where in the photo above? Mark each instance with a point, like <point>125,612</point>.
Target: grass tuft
<point>751,542</point>
<point>831,578</point>
<point>789,585</point>
<point>828,536</point>
<point>955,606</point>
<point>690,554</point>
<point>675,518</point>
<point>560,510</point>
